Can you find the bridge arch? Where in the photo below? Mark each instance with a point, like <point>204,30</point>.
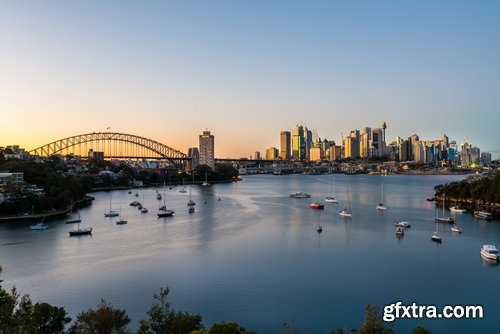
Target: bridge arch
<point>65,145</point>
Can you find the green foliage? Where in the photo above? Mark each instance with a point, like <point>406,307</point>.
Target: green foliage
<point>227,328</point>
<point>163,320</point>
<point>19,315</point>
<point>105,319</point>
<point>420,330</point>
<point>224,172</point>
<point>485,189</point>
<point>374,323</point>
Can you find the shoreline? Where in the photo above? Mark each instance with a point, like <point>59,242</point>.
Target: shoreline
<point>85,200</point>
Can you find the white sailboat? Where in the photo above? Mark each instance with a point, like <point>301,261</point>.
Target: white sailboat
<point>40,226</point>
<point>436,237</point>
<point>455,228</point>
<point>332,199</point>
<point>444,219</point>
<point>110,213</point>
<point>72,219</point>
<point>346,212</point>
<point>380,205</point>
<point>205,183</point>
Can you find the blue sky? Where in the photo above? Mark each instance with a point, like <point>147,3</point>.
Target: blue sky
<point>247,70</point>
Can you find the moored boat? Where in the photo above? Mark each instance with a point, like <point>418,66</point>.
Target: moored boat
<point>490,252</point>
<point>39,227</point>
<point>165,213</point>
<point>299,194</point>
<point>457,209</point>
<point>436,237</point>
<point>448,220</point>
<point>331,200</point>
<point>483,215</point>
<point>80,231</point>
<point>317,206</point>
<point>402,224</point>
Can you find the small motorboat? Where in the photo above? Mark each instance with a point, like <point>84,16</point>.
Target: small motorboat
<point>490,252</point>
<point>317,206</point>
<point>39,227</point>
<point>402,224</point>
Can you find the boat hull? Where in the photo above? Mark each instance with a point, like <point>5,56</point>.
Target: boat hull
<point>80,232</point>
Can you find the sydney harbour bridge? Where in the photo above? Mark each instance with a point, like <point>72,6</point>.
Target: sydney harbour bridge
<point>117,145</point>
<point>114,145</point>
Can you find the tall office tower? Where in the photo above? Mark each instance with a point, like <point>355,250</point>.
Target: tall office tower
<point>298,143</point>
<point>365,142</point>
<point>411,152</point>
<point>335,153</point>
<point>272,153</point>
<point>378,140</point>
<point>207,148</point>
<point>402,149</point>
<point>308,139</point>
<point>256,155</point>
<point>316,153</point>
<point>418,151</point>
<point>285,145</point>
<point>351,147</point>
<point>194,154</point>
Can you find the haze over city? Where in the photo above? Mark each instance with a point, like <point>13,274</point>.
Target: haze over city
<point>247,70</point>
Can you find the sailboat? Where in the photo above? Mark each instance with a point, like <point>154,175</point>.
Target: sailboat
<point>455,228</point>
<point>183,189</point>
<point>444,219</point>
<point>84,230</point>
<point>205,183</point>
<point>436,236</point>
<point>71,219</point>
<point>380,205</point>
<point>346,212</point>
<point>121,221</point>
<point>110,213</point>
<point>332,199</point>
<point>319,229</point>
<point>163,211</point>
<point>80,231</point>
<point>40,226</point>
<point>190,202</point>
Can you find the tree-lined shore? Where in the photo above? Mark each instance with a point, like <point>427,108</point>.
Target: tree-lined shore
<point>478,191</point>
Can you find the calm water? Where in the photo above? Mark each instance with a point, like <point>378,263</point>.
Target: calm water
<point>255,257</point>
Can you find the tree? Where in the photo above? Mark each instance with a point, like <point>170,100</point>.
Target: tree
<point>374,323</point>
<point>163,320</point>
<point>105,319</point>
<point>225,172</point>
<point>227,328</point>
<point>420,330</point>
<point>19,315</point>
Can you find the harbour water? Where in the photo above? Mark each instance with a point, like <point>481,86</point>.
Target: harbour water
<point>251,254</point>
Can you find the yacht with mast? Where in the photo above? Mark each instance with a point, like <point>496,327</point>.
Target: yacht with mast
<point>444,219</point>
<point>346,212</point>
<point>380,206</point>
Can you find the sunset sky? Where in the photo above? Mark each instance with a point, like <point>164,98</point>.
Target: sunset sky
<point>246,70</point>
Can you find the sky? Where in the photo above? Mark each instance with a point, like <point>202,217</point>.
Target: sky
<point>246,70</point>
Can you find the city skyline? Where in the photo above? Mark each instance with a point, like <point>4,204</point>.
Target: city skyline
<point>248,70</point>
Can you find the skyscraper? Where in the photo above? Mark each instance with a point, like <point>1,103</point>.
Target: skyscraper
<point>194,154</point>
<point>285,145</point>
<point>298,143</point>
<point>207,148</point>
